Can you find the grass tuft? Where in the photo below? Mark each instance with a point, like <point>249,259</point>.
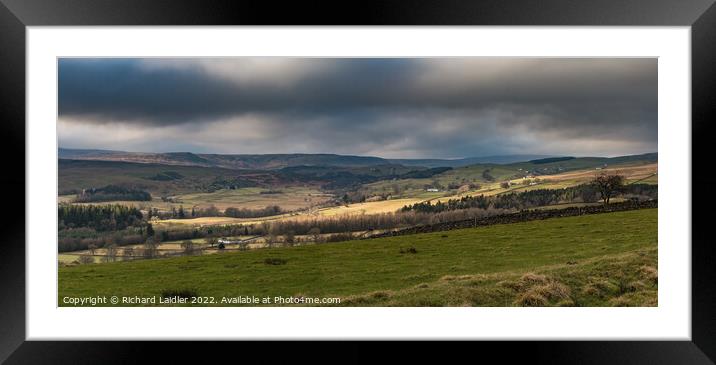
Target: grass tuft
<point>650,273</point>
<point>455,277</point>
<point>275,261</point>
<point>531,299</point>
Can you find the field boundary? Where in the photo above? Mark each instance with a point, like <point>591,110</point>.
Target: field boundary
<point>522,216</point>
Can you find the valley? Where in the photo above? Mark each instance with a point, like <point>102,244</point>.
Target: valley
<point>217,213</point>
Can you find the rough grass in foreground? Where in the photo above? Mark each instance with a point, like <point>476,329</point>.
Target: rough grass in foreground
<point>627,280</point>
<point>596,260</point>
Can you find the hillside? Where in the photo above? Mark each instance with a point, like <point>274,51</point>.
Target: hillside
<point>262,162</point>
<point>547,166</point>
<point>159,179</point>
<point>162,179</point>
<point>390,179</point>
<point>277,161</point>
<point>555,174</point>
<point>506,159</point>
<point>596,260</point>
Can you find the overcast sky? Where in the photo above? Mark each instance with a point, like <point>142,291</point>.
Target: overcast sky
<point>396,108</point>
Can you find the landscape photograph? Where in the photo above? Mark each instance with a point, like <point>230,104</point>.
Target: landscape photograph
<point>376,182</point>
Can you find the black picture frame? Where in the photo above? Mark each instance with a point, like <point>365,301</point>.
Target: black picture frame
<point>16,15</point>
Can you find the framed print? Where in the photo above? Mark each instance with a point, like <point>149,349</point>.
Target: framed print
<point>442,171</point>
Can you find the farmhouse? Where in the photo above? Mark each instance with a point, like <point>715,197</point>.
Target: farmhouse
<point>432,189</point>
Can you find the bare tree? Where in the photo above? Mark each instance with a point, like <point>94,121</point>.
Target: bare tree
<point>91,248</point>
<point>86,259</point>
<point>188,247</point>
<point>397,189</point>
<point>608,185</point>
<point>211,241</point>
<point>151,248</point>
<point>289,238</point>
<point>315,232</point>
<point>128,253</point>
<point>111,253</point>
<point>270,240</point>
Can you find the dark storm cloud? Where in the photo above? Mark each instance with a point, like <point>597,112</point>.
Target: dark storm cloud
<point>131,91</point>
<point>447,107</point>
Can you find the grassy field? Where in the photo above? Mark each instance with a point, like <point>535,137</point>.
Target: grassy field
<point>288,198</point>
<point>628,279</point>
<point>645,173</point>
<point>595,260</point>
<point>71,256</point>
<point>385,206</point>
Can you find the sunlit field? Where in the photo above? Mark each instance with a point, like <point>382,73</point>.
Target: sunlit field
<point>578,255</point>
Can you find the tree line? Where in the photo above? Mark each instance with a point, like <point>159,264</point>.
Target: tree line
<point>588,193</point>
<point>213,211</point>
<point>98,217</point>
<point>112,193</point>
<point>74,239</point>
<point>366,222</point>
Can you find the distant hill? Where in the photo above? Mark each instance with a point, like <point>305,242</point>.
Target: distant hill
<point>70,153</point>
<point>162,179</point>
<point>506,159</point>
<point>262,162</point>
<point>549,160</point>
<point>278,161</point>
<point>173,173</point>
<point>545,166</point>
<point>171,158</point>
